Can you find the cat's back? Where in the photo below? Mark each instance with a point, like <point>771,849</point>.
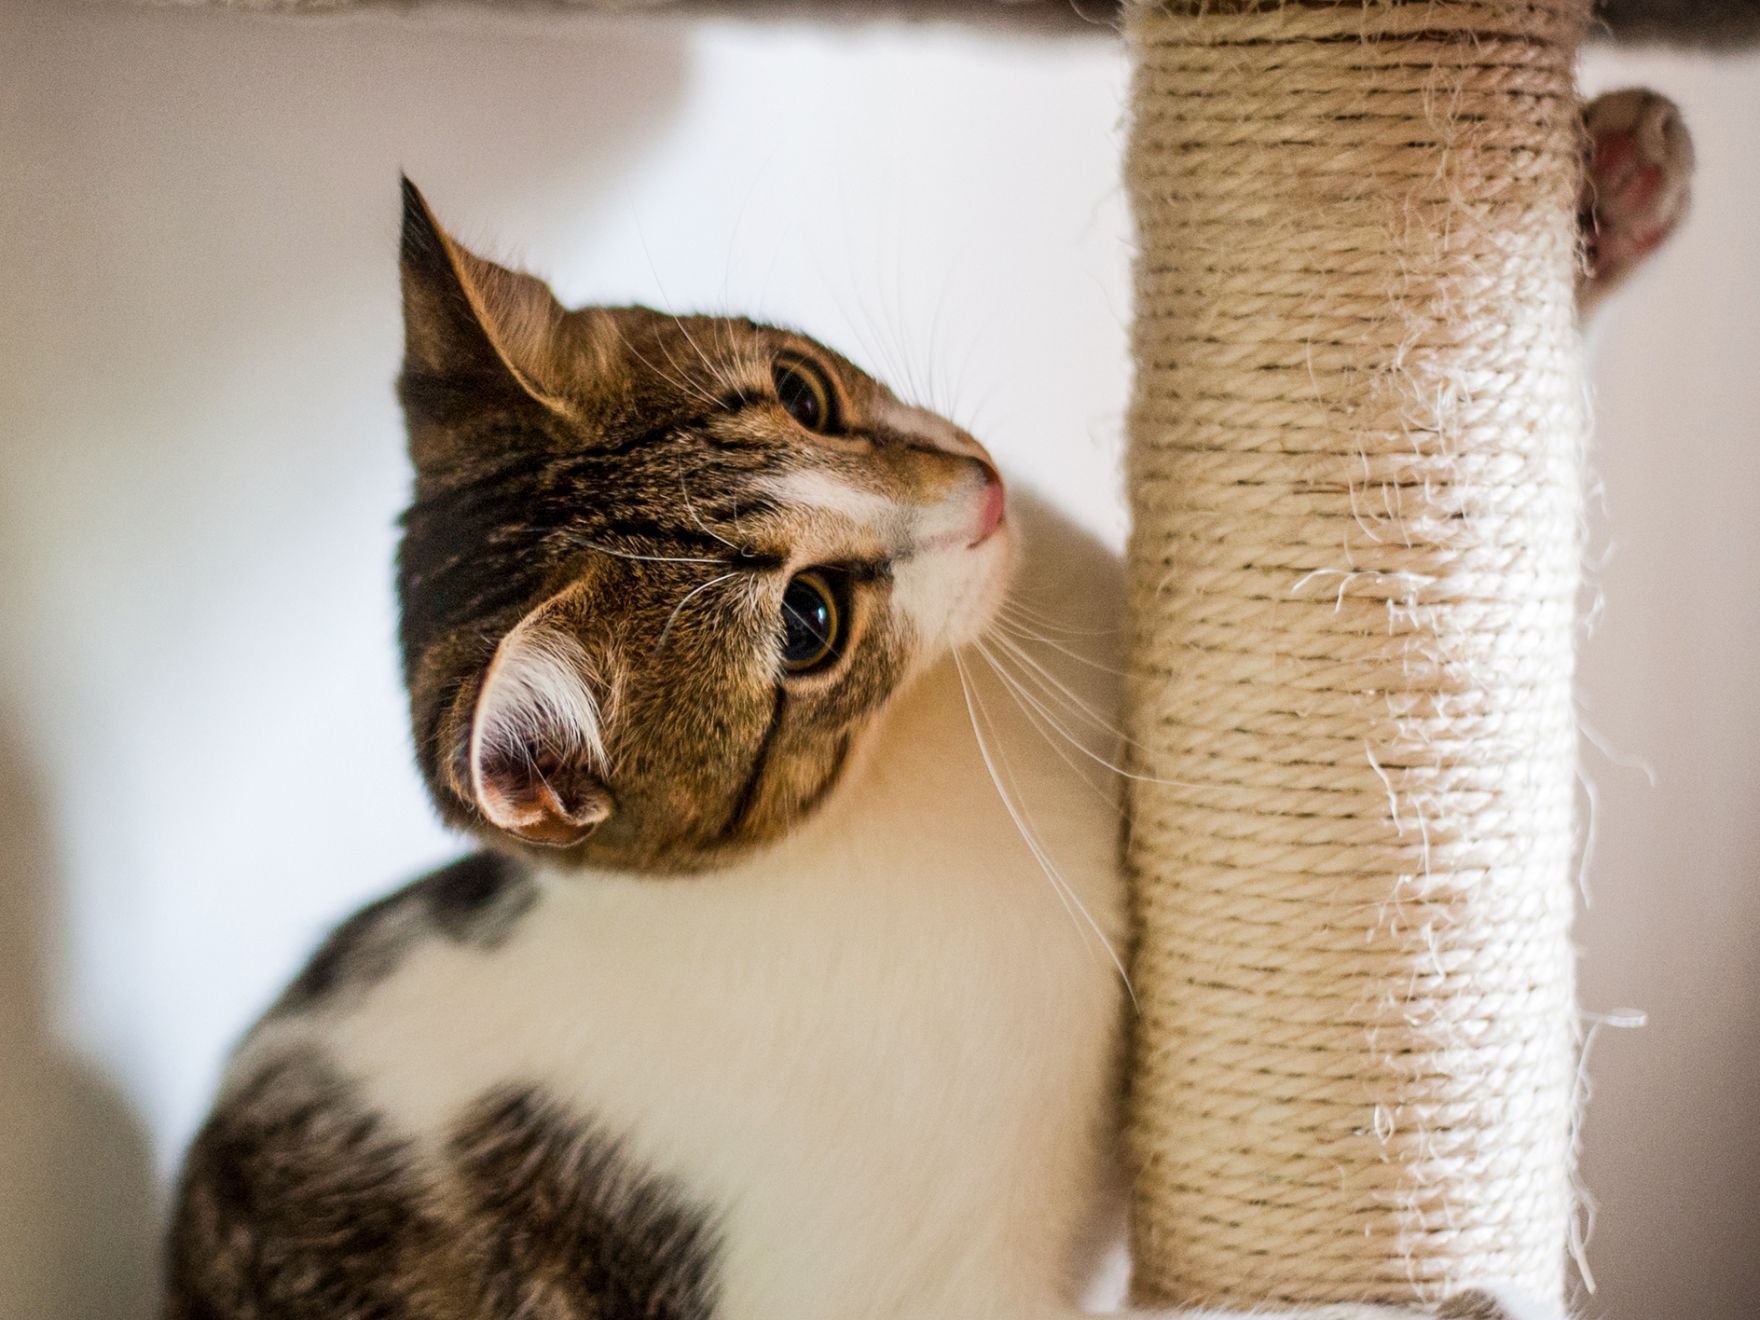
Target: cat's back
<point>305,1193</point>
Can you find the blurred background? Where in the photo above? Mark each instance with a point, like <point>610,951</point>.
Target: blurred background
<point>203,758</point>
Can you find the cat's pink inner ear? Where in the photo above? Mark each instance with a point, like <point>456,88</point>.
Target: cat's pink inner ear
<point>540,800</point>
<point>537,751</point>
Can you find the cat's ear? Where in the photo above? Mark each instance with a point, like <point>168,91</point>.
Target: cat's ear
<point>469,321</point>
<point>534,759</point>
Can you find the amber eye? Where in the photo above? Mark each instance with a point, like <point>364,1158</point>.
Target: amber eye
<point>805,394</point>
<point>812,623</point>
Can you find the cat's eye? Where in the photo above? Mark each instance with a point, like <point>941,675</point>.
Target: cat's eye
<point>812,623</point>
<point>805,393</point>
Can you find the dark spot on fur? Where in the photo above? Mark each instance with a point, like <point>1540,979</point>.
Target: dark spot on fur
<point>1475,1304</point>
<point>618,1242</point>
<point>297,1202</point>
<point>358,952</point>
<point>476,900</point>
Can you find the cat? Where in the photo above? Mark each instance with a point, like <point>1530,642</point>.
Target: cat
<point>1636,187</point>
<point>787,983</point>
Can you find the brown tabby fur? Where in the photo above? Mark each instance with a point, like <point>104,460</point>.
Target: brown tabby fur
<point>297,1204</point>
<point>609,466</point>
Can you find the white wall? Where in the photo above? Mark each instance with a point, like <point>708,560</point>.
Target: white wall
<point>1671,684</point>
<point>202,752</point>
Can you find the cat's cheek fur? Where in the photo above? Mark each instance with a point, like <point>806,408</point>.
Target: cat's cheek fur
<point>950,595</point>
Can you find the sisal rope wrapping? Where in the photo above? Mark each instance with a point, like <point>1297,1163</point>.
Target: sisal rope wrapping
<point>1355,472</point>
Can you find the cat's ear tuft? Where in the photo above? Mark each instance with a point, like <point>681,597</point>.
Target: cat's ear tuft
<point>535,758</point>
<point>470,322</point>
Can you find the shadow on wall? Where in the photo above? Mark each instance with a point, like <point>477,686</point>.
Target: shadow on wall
<point>78,1213</point>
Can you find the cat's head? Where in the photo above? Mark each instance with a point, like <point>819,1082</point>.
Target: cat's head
<point>661,574</point>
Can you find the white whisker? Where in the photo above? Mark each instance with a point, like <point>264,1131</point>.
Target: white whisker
<point>1066,895</point>
<point>678,382</point>
<point>1056,736</point>
<point>1056,689</point>
<point>677,320</point>
<point>673,362</point>
<point>715,369</point>
<point>1021,695</point>
<point>1019,630</point>
<point>648,559</point>
<point>697,518</point>
<point>694,591</point>
<point>1025,613</point>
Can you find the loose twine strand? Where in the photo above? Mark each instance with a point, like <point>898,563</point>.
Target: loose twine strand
<point>1355,469</point>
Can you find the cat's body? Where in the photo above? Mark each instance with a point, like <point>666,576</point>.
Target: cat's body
<point>871,1067</point>
<point>824,1034</point>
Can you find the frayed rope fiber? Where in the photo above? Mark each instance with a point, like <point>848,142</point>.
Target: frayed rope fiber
<point>1355,469</point>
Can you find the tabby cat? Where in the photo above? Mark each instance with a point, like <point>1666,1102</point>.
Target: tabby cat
<point>784,988</point>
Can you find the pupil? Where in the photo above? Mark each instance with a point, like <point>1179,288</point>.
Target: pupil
<point>807,621</point>
<point>799,399</point>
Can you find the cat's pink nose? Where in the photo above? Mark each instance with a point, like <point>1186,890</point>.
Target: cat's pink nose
<point>991,505</point>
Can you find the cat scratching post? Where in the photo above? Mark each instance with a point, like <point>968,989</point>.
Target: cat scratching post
<point>1355,470</point>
